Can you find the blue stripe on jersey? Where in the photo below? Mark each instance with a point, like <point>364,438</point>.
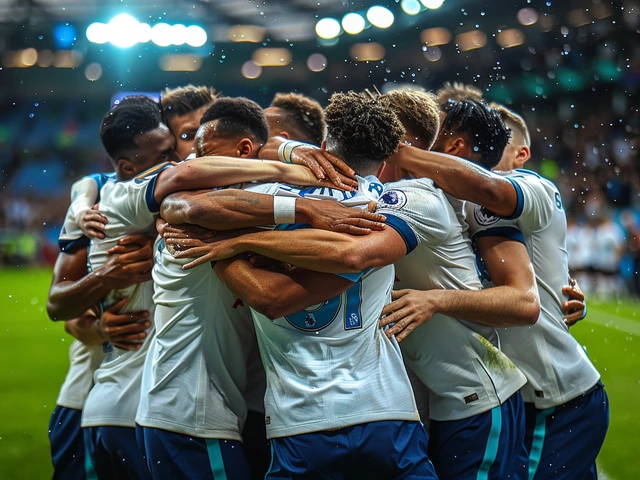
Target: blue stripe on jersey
<point>491,451</point>
<point>539,433</point>
<point>89,467</point>
<point>215,459</point>
<point>506,232</point>
<point>405,231</point>
<point>354,277</point>
<point>530,172</point>
<point>101,179</point>
<point>71,246</point>
<point>519,202</point>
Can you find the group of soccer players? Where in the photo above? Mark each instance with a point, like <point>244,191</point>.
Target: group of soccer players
<point>311,291</point>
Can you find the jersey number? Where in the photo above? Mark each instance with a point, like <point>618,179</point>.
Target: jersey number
<point>558,201</point>
<point>317,317</point>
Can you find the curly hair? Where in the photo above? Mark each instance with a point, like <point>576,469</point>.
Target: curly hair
<point>482,127</point>
<point>132,116</point>
<point>457,92</point>
<point>238,117</point>
<point>182,100</point>
<point>418,112</point>
<point>362,131</point>
<point>303,117</point>
<point>513,121</point>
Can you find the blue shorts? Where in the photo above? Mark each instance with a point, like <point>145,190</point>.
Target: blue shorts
<point>174,456</point>
<point>485,446</point>
<point>67,444</point>
<point>386,449</point>
<point>564,441</point>
<point>112,452</point>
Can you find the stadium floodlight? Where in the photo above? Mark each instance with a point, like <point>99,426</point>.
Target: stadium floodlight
<point>98,33</point>
<point>161,34</point>
<point>380,17</point>
<point>410,7</point>
<point>432,4</point>
<point>328,28</point>
<point>353,23</point>
<point>144,33</point>
<point>123,31</point>
<point>178,34</point>
<point>195,36</point>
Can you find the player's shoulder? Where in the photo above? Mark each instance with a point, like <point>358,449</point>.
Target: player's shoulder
<point>150,174</point>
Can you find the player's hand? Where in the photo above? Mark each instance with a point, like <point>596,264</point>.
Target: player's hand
<point>409,310</point>
<point>333,216</point>
<point>325,165</point>
<point>124,330</point>
<point>130,262</point>
<point>204,250</point>
<point>575,307</point>
<point>91,222</point>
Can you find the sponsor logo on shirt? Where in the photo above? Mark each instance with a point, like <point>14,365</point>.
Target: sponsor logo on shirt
<point>393,199</point>
<point>483,216</point>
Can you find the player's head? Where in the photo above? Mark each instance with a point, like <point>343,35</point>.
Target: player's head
<point>362,131</point>
<point>296,117</point>
<point>134,136</point>
<point>419,114</point>
<point>232,127</point>
<point>182,108</point>
<point>457,92</point>
<point>518,151</point>
<point>473,131</point>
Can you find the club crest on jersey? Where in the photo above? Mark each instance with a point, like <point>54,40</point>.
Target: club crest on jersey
<point>393,199</point>
<point>483,216</point>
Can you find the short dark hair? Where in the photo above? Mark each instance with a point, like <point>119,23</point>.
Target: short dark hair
<point>238,116</point>
<point>182,100</point>
<point>132,116</point>
<point>482,127</point>
<point>362,131</point>
<point>304,116</point>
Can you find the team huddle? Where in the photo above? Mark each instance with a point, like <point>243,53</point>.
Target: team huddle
<point>376,290</point>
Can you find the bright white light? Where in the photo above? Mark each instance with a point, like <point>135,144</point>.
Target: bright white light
<point>144,33</point>
<point>161,34</point>
<point>328,28</point>
<point>195,36</point>
<point>380,17</point>
<point>178,34</point>
<point>432,4</point>
<point>98,33</point>
<point>353,23</point>
<point>410,7</point>
<point>123,31</point>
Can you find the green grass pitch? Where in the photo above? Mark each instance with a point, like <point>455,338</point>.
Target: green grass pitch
<point>33,362</point>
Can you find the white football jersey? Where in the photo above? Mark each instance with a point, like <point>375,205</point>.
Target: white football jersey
<point>555,365</point>
<point>459,361</point>
<point>330,365</point>
<point>130,209</point>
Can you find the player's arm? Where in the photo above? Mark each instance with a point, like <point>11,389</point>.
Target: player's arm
<point>232,208</point>
<point>278,292</point>
<point>513,301</point>
<point>84,195</point>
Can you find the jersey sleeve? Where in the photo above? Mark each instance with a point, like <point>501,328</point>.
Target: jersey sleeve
<point>484,223</point>
<point>416,210</point>
<point>84,195</point>
<point>535,206</point>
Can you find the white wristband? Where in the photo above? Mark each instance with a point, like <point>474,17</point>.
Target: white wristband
<point>281,151</point>
<point>284,210</point>
<point>285,150</point>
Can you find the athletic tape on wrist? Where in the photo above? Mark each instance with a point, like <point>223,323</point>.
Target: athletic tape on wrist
<point>281,152</point>
<point>284,210</point>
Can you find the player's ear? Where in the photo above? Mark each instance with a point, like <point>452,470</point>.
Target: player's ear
<point>454,146</point>
<point>285,135</point>
<point>524,154</point>
<point>246,148</point>
<point>126,168</point>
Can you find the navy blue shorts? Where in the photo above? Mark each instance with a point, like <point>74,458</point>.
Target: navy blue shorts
<point>114,454</point>
<point>564,441</point>
<point>175,456</point>
<point>67,444</point>
<point>486,446</point>
<point>386,449</point>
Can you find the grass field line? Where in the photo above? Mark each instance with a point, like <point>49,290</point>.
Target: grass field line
<point>616,322</point>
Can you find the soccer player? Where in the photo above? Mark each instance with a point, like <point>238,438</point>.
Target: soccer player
<point>296,117</point>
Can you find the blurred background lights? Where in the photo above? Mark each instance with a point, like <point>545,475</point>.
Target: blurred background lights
<point>196,36</point>
<point>328,28</point>
<point>527,16</point>
<point>471,40</point>
<point>98,33</point>
<point>271,57</point>
<point>250,70</point>
<point>178,34</point>
<point>123,31</point>
<point>161,34</point>
<point>432,4</point>
<point>28,57</point>
<point>433,54</point>
<point>64,35</point>
<point>144,33</point>
<point>410,7</point>
<point>435,36</point>
<point>93,72</point>
<point>510,38</point>
<point>363,52</point>
<point>317,62</point>
<point>380,17</point>
<point>353,23</point>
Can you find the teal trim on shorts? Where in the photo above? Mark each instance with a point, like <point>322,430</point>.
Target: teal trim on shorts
<point>491,452</point>
<point>215,459</point>
<point>89,467</point>
<point>539,433</point>
<point>273,456</point>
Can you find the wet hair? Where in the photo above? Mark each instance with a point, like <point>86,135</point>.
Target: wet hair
<point>362,131</point>
<point>238,117</point>
<point>514,121</point>
<point>132,116</point>
<point>418,112</point>
<point>303,117</point>
<point>182,100</point>
<point>457,92</point>
<point>482,127</point>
